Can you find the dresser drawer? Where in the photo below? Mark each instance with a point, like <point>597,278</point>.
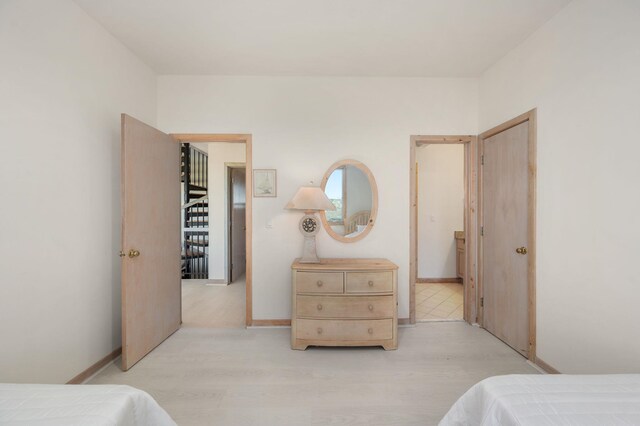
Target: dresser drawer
<point>340,330</point>
<point>344,306</point>
<point>319,282</point>
<point>369,282</point>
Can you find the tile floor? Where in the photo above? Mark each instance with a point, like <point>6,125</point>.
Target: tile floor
<point>439,301</point>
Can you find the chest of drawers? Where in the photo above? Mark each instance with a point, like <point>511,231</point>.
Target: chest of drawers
<point>344,302</point>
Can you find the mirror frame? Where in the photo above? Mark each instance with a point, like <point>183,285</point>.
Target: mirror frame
<point>374,202</point>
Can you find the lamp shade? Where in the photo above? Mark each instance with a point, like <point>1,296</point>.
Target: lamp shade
<point>310,198</point>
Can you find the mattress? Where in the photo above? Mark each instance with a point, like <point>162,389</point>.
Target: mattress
<point>549,400</point>
<point>22,404</point>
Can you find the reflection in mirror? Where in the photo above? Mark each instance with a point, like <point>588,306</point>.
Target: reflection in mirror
<point>349,187</point>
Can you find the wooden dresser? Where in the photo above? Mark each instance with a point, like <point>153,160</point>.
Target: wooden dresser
<point>345,302</point>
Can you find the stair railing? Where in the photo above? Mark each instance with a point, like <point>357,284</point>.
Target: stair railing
<point>195,213</point>
<point>194,202</point>
<point>195,250</point>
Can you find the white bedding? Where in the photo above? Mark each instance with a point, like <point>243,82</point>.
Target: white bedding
<point>549,400</point>
<point>22,404</point>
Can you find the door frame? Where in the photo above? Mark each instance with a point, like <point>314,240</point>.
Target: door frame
<point>470,219</point>
<point>529,116</point>
<point>247,140</point>
<point>228,212</point>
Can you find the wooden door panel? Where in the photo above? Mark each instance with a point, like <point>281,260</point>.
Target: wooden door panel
<point>151,293</point>
<point>238,222</point>
<point>505,228</point>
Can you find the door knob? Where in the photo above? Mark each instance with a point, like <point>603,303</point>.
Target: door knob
<point>134,253</point>
<point>521,250</point>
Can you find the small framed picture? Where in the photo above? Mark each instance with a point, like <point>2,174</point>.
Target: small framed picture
<point>264,183</point>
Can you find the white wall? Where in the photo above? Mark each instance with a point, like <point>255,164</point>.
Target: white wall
<point>202,146</point>
<point>63,83</point>
<point>582,71</point>
<point>440,208</point>
<point>302,125</point>
<point>219,154</point>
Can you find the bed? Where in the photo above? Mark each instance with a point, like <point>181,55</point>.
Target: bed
<point>22,404</point>
<point>549,400</point>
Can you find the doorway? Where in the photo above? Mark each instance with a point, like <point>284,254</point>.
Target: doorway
<point>441,245</point>
<point>236,221</point>
<point>459,284</point>
<point>507,244</point>
<point>151,234</point>
<point>216,298</point>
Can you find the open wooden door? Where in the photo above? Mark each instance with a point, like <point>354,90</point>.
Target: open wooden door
<point>151,284</point>
<point>238,223</point>
<point>505,236</point>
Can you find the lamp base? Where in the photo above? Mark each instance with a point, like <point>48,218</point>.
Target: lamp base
<point>309,254</point>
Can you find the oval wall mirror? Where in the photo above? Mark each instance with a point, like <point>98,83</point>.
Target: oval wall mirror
<point>350,186</point>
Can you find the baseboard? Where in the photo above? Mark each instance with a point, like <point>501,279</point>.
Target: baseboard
<point>80,378</point>
<point>546,367</point>
<point>438,280</point>
<point>216,282</point>
<point>271,323</point>
<point>404,321</point>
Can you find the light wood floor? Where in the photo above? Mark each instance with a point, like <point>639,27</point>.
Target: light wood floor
<point>439,301</point>
<point>221,306</point>
<point>252,377</point>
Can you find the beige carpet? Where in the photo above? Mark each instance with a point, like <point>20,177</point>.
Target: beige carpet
<point>252,377</point>
<point>213,306</point>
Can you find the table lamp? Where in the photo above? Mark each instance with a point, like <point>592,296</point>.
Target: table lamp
<point>310,199</point>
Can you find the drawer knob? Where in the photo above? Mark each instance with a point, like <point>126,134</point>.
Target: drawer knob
<point>370,283</point>
<point>371,307</point>
<point>319,307</point>
<point>370,331</point>
<point>319,283</point>
<point>319,330</point>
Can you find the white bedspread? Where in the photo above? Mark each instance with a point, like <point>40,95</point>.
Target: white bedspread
<point>596,400</point>
<point>22,404</point>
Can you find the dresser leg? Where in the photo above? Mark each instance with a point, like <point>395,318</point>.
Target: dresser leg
<point>299,346</point>
<point>390,347</point>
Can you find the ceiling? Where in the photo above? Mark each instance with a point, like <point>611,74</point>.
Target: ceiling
<point>407,38</point>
